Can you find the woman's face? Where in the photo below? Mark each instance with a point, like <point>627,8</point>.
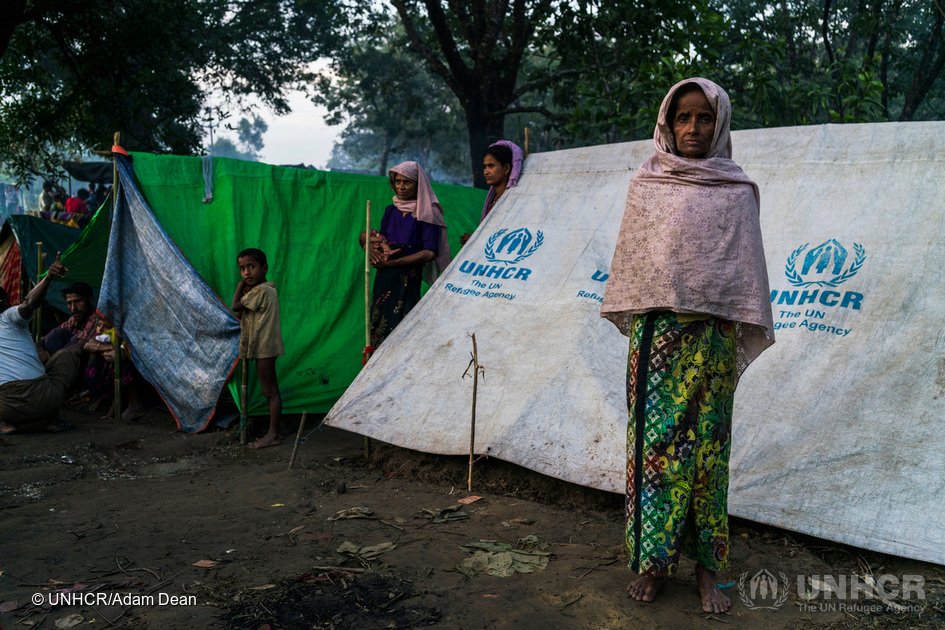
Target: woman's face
<point>405,189</point>
<point>693,125</point>
<point>494,171</point>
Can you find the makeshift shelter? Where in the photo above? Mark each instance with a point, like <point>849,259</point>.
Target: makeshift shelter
<point>308,222</point>
<point>837,426</point>
<point>29,230</point>
<point>183,339</point>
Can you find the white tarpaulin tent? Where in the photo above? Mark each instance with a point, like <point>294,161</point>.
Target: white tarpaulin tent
<point>838,427</point>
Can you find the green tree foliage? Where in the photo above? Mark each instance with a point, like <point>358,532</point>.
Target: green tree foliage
<point>478,49</point>
<point>392,107</point>
<point>616,59</point>
<point>837,61</point>
<point>74,71</point>
<point>249,140</point>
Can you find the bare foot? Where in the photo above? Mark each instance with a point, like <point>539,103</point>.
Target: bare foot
<point>646,587</point>
<point>713,600</point>
<point>132,413</point>
<point>266,441</point>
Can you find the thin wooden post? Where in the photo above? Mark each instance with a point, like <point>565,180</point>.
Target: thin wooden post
<point>526,142</point>
<point>116,338</point>
<point>472,423</point>
<point>244,386</point>
<point>38,314</point>
<point>298,439</point>
<point>368,349</point>
<point>367,278</point>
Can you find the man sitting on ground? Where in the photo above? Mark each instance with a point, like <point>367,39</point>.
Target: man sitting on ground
<point>79,328</point>
<point>31,395</point>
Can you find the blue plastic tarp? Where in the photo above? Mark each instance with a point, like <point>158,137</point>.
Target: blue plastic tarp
<point>184,340</point>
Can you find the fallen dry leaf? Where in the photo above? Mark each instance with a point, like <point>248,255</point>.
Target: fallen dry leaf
<point>206,564</point>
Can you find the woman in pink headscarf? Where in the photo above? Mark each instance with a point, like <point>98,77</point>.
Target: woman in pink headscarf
<point>688,285</point>
<point>410,246</point>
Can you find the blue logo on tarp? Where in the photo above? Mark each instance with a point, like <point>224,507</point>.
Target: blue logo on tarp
<point>823,265</point>
<point>510,247</point>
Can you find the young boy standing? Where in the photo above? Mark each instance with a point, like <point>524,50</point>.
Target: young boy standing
<point>256,304</point>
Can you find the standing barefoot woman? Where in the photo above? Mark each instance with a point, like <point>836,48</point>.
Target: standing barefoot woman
<point>688,285</point>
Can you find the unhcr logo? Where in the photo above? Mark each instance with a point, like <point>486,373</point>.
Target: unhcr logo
<point>823,265</point>
<point>507,247</point>
<point>763,591</point>
<point>512,247</point>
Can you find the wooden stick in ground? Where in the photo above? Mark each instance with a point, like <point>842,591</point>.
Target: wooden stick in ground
<point>472,423</point>
<point>244,385</point>
<point>368,350</point>
<point>116,339</point>
<point>298,440</point>
<point>526,142</point>
<point>367,276</point>
<point>38,314</point>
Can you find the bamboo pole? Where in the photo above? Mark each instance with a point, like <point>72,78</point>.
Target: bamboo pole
<point>298,439</point>
<point>472,423</point>
<point>38,315</point>
<point>368,350</point>
<point>116,338</point>
<point>244,386</point>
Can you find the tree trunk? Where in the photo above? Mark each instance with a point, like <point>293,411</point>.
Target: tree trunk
<point>928,70</point>
<point>483,130</point>
<point>385,155</point>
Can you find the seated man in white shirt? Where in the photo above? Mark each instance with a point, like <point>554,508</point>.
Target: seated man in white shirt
<point>31,394</point>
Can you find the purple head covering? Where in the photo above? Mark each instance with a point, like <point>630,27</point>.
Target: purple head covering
<point>518,156</point>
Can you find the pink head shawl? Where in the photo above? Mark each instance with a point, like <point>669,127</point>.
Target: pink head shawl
<point>690,239</point>
<point>426,207</point>
<point>518,156</point>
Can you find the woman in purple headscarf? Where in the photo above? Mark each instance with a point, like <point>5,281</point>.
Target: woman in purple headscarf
<point>502,168</point>
<point>688,285</point>
<point>410,246</point>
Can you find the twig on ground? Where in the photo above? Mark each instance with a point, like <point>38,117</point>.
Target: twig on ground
<point>145,569</point>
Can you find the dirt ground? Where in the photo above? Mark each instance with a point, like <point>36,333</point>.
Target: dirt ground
<point>138,526</point>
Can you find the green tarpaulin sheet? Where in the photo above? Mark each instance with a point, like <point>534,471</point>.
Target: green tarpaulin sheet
<point>307,221</point>
<point>55,238</point>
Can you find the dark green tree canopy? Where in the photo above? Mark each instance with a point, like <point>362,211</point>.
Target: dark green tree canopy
<point>74,71</point>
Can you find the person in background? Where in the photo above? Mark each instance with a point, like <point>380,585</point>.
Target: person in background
<point>81,325</point>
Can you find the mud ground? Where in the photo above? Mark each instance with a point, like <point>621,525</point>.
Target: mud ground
<point>139,526</point>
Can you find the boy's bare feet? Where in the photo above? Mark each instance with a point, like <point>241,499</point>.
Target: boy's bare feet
<point>646,587</point>
<point>266,441</point>
<point>132,413</point>
<point>713,600</point>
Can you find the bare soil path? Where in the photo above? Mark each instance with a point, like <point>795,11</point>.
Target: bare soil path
<point>139,526</point>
